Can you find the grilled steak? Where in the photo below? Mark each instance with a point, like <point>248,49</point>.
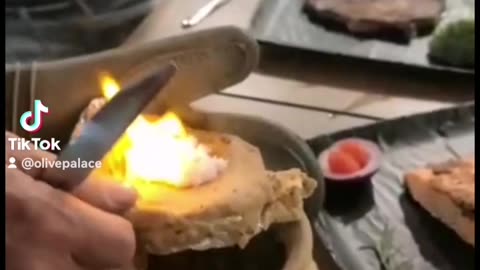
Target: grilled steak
<point>379,16</point>
<point>447,191</point>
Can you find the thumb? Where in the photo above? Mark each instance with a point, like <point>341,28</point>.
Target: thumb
<point>106,194</point>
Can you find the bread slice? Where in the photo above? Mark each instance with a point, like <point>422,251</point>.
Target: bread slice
<point>241,203</point>
<point>447,191</point>
<point>245,200</point>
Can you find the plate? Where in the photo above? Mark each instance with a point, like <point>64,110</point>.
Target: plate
<point>380,226</point>
<point>284,23</point>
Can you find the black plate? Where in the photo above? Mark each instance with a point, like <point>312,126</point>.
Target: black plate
<point>284,23</point>
<point>385,221</point>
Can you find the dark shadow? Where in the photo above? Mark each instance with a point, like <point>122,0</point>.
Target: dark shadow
<point>366,76</point>
<point>262,253</point>
<point>443,62</point>
<point>322,255</point>
<point>54,30</point>
<point>348,201</point>
<point>437,243</point>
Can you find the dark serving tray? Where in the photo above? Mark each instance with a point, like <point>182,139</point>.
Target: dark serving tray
<point>284,23</point>
<point>381,222</point>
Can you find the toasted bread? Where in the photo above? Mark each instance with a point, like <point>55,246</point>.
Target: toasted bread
<point>243,201</point>
<point>447,192</point>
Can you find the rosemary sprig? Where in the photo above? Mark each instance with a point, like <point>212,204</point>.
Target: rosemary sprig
<point>387,254</point>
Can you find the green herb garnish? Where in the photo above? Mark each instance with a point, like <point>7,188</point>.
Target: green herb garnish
<point>388,255</point>
<point>454,44</point>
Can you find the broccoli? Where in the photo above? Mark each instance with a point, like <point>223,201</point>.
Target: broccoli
<point>454,44</point>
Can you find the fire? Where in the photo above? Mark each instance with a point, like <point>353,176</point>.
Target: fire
<point>158,150</point>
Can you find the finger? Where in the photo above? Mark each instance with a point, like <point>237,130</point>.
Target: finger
<point>106,194</point>
<point>20,256</point>
<point>20,155</point>
<point>104,240</point>
<point>98,240</point>
<point>139,262</point>
<point>103,194</point>
<point>91,236</point>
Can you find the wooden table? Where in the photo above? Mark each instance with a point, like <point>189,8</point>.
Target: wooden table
<point>309,94</point>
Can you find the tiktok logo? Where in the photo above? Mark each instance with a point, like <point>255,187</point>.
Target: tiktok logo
<point>33,121</point>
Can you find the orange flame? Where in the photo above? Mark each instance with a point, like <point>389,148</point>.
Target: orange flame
<point>152,151</point>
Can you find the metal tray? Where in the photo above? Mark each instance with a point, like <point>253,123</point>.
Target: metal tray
<point>384,223</point>
<point>284,23</point>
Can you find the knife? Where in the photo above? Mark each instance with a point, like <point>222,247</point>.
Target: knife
<point>204,12</point>
<point>105,128</point>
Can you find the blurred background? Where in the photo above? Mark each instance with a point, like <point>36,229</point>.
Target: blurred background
<point>38,30</point>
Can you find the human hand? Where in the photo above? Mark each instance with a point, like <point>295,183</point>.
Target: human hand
<point>49,229</point>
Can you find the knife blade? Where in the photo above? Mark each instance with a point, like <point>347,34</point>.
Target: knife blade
<point>105,128</point>
<point>204,12</point>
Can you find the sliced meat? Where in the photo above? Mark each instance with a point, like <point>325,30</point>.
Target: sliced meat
<point>447,191</point>
<point>379,16</point>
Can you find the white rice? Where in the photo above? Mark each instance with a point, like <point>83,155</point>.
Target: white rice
<point>204,168</point>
